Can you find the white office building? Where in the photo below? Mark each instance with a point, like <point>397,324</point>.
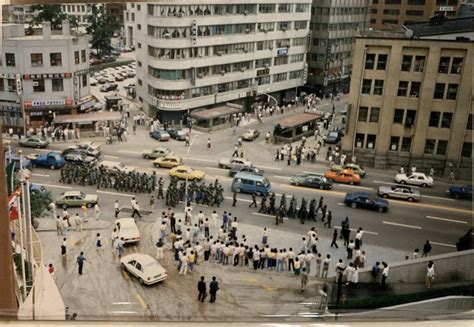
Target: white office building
<point>203,54</point>
<point>43,75</point>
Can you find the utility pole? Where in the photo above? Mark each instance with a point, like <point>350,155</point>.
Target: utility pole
<point>8,301</point>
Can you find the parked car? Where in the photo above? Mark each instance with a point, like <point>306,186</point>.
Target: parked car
<point>144,267</point>
<point>366,200</point>
<point>250,135</point>
<point>343,176</point>
<point>400,192</point>
<point>160,135</point>
<point>249,170</point>
<point>80,158</point>
<point>76,199</point>
<point>110,78</point>
<point>108,87</point>
<point>332,137</point>
<point>102,80</point>
<point>354,167</point>
<point>234,163</point>
<point>168,161</point>
<point>118,77</point>
<point>186,172</point>
<point>461,192</point>
<point>313,181</point>
<point>37,142</point>
<point>131,73</point>
<point>89,148</point>
<point>419,179</point>
<point>127,229</point>
<point>92,81</point>
<point>157,152</point>
<point>177,134</point>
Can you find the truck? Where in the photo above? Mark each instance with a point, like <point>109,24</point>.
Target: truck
<point>51,160</point>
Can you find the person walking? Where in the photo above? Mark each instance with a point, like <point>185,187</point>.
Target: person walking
<point>78,222</point>
<point>136,210</point>
<point>64,247</point>
<point>426,249</point>
<point>297,268</point>
<point>97,211</point>
<point>52,207</point>
<point>430,274</point>
<point>59,225</point>
<point>319,262</point>
<point>350,249</point>
<point>113,236</point>
<point>159,249</point>
<point>213,288</point>
<point>119,243</point>
<point>234,199</point>
<point>208,146</point>
<point>384,274</point>
<point>98,241</point>
<point>304,279</point>
<point>254,200</point>
<point>80,262</point>
<point>84,212</point>
<point>264,236</point>
<point>334,239</point>
<point>152,203</point>
<point>358,238</point>
<point>329,219</point>
<point>326,263</point>
<point>202,289</point>
<point>116,208</point>
<point>375,271</point>
<point>236,151</point>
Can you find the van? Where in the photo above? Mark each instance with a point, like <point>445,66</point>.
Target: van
<point>250,183</point>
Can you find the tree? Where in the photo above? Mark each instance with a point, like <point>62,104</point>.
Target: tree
<point>49,13</point>
<point>101,27</point>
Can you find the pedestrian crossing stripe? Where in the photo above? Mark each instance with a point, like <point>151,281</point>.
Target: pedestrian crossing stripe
<point>249,280</point>
<point>268,288</point>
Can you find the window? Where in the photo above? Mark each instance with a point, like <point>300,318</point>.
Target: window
<point>369,61</point>
<point>394,141</point>
<point>140,82</point>
<point>416,2</point>
<point>366,86</point>
<point>83,56</point>
<point>76,57</point>
<point>389,22</point>
<point>402,88</point>
<point>133,17</point>
<point>374,115</point>
<point>392,2</point>
<point>55,59</point>
<point>139,63</point>
<point>406,144</point>
<point>301,24</point>
<point>57,84</point>
<point>394,12</point>
<point>414,12</point>
<point>439,91</point>
<point>11,85</point>
<point>139,45</point>
<point>442,147</point>
<point>84,80</point>
<point>469,122</point>
<point>139,27</point>
<point>284,7</point>
<point>406,63</point>
<point>296,74</point>
<point>443,65</point>
<point>280,61</point>
<point>466,151</point>
<point>139,7</point>
<point>410,118</point>
<point>37,60</point>
<point>378,87</point>
<point>263,80</point>
<point>371,141</point>
<point>359,140</point>
<point>10,59</point>
<point>434,119</point>
<point>280,77</point>
<point>381,61</point>
<point>363,114</point>
<point>398,116</point>
<point>419,64</point>
<point>266,8</point>
<point>430,146</point>
<point>446,120</point>
<point>456,66</point>
<point>38,85</point>
<point>452,92</point>
<point>299,41</point>
<point>283,26</point>
<point>415,89</point>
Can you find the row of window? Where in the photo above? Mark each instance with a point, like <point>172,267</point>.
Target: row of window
<point>75,8</point>
<point>39,85</point>
<point>396,12</point>
<point>442,91</point>
<point>55,59</point>
<point>418,2</point>
<point>339,11</point>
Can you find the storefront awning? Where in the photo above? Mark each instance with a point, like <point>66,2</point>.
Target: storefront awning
<point>89,117</point>
<point>212,113</point>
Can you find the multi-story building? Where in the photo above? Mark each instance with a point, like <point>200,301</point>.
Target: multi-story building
<point>411,104</point>
<point>43,75</point>
<point>391,14</point>
<point>17,14</point>
<point>199,54</point>
<point>334,25</point>
<point>78,10</point>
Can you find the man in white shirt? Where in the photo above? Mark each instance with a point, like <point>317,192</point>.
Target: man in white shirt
<point>384,273</point>
<point>358,238</point>
<point>184,264</point>
<point>430,273</point>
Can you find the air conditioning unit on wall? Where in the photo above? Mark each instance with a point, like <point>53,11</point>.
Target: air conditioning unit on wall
<point>35,84</point>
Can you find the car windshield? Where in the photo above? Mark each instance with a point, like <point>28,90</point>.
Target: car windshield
<point>332,134</point>
<point>82,195</point>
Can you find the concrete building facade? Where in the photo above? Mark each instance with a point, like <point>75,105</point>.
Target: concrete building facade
<point>392,14</point>
<point>43,75</point>
<point>334,26</point>
<point>196,54</point>
<point>411,104</point>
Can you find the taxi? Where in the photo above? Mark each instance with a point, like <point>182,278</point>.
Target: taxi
<point>186,172</point>
<point>168,161</point>
<point>347,176</point>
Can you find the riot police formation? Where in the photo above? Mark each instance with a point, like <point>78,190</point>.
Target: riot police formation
<point>211,194</point>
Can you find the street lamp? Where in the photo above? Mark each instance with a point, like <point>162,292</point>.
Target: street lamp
<point>186,184</point>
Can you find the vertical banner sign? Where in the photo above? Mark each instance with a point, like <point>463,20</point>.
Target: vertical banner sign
<point>18,84</point>
<point>194,31</point>
<point>193,76</point>
<point>76,88</point>
<point>305,73</point>
<point>9,172</point>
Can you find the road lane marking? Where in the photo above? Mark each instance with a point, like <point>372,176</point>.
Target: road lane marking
<point>215,168</point>
<point>56,186</point>
<point>284,177</point>
<point>238,199</point>
<point>341,204</point>
<point>355,186</point>
<point>203,160</point>
<point>113,157</point>
<point>437,198</point>
<point>140,299</point>
<point>446,219</point>
<point>355,230</point>
<point>443,244</point>
<point>266,215</point>
<point>40,175</point>
<point>380,182</point>
<point>269,168</point>
<point>401,225</point>
<point>47,150</point>
<point>130,152</point>
<point>114,193</point>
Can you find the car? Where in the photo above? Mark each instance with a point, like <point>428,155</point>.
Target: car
<point>95,61</point>
<point>110,78</point>
<point>144,267</point>
<point>80,158</point>
<point>37,142</point>
<point>76,199</point>
<point>157,152</point>
<point>87,148</point>
<point>354,167</point>
<point>249,170</point>
<point>108,87</point>
<point>332,137</point>
<point>186,172</point>
<point>114,166</point>
<point>234,163</point>
<point>118,77</point>
<point>92,81</point>
<point>250,135</point>
<point>312,180</point>
<point>51,160</point>
<point>343,176</point>
<point>160,135</point>
<point>399,192</point>
<point>131,73</point>
<point>15,158</point>
<point>127,229</point>
<point>415,178</point>
<point>127,49</point>
<point>102,80</point>
<point>461,192</point>
<point>168,161</point>
<point>366,200</point>
<point>177,134</point>
<point>131,85</point>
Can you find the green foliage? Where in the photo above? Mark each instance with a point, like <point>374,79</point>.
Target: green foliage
<point>101,27</point>
<point>39,202</point>
<point>49,13</point>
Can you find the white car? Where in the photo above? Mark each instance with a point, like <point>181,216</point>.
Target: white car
<point>93,81</point>
<point>144,267</point>
<point>110,78</point>
<point>127,229</point>
<point>414,179</point>
<point>234,163</point>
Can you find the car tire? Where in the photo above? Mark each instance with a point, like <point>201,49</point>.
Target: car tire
<point>381,210</point>
<point>141,281</point>
<point>147,157</point>
<point>403,182</point>
<point>321,187</point>
<point>51,167</point>
<point>424,185</point>
<point>89,205</point>
<point>410,199</point>
<point>38,147</point>
<point>353,205</point>
<point>351,183</point>
<point>456,196</point>
<point>64,206</point>
<point>384,196</point>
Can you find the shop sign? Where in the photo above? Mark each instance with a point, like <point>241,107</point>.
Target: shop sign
<point>262,72</point>
<point>282,52</point>
<point>48,103</point>
<point>46,76</point>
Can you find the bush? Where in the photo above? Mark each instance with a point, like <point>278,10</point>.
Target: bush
<point>39,202</point>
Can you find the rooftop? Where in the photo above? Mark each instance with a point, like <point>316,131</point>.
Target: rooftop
<point>299,119</point>
<point>89,117</point>
<point>214,112</point>
<point>446,26</point>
